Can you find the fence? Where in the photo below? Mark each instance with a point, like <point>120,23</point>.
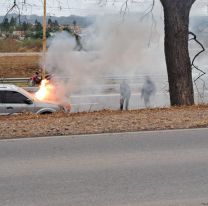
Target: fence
<point>14,80</point>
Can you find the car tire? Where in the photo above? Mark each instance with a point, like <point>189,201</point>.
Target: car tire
<point>46,112</point>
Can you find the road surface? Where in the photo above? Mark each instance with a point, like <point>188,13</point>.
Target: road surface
<point>129,169</point>
<point>11,54</point>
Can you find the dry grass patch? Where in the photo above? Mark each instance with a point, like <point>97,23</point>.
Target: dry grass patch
<point>18,66</point>
<point>107,121</point>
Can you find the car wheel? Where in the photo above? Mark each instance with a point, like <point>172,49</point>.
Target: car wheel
<point>46,112</point>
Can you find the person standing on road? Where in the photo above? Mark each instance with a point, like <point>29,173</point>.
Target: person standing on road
<point>125,94</point>
<point>148,89</point>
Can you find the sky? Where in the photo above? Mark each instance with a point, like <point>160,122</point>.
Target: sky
<point>88,7</point>
<point>63,7</point>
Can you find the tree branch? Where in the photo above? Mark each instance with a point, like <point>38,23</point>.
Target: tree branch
<point>201,51</point>
<point>11,9</point>
<point>202,73</point>
<point>124,7</point>
<point>147,12</point>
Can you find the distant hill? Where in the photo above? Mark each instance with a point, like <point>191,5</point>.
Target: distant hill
<point>81,21</point>
<point>198,24</point>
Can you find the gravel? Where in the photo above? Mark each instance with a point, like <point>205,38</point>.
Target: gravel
<point>106,121</point>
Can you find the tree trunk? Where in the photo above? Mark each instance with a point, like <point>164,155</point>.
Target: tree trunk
<point>176,14</point>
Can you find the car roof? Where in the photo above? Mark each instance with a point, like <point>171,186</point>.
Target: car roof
<point>8,87</point>
<point>12,87</point>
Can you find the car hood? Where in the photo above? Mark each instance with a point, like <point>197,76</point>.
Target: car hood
<point>46,104</point>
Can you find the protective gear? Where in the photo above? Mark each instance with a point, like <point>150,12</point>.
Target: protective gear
<point>148,89</point>
<point>125,93</point>
<point>35,79</point>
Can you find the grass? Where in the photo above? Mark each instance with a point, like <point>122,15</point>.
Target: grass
<point>28,45</point>
<point>106,121</point>
<point>34,45</point>
<point>9,45</point>
<point>18,66</point>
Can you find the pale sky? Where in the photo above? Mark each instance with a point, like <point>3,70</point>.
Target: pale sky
<point>87,7</point>
<point>62,7</point>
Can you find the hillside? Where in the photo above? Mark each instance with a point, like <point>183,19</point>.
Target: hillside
<point>81,21</point>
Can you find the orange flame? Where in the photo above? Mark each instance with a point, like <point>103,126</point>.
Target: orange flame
<point>45,91</point>
<point>48,92</point>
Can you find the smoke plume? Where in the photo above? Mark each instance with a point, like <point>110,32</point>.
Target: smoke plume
<point>111,47</point>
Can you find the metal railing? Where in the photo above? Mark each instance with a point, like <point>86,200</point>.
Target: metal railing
<point>108,83</point>
<point>14,80</point>
<point>109,78</point>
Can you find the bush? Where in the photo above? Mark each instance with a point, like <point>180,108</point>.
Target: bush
<point>32,45</point>
<point>9,45</point>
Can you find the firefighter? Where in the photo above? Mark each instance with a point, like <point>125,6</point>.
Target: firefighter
<point>76,33</point>
<point>148,89</point>
<point>125,94</point>
<point>78,46</point>
<point>35,80</point>
<point>48,77</point>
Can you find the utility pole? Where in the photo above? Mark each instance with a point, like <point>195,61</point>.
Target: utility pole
<point>44,40</point>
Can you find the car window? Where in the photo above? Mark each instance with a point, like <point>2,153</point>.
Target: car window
<point>1,96</point>
<point>12,97</point>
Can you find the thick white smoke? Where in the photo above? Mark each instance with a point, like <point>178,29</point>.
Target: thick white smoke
<point>111,47</point>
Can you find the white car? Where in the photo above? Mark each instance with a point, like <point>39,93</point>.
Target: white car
<point>15,100</point>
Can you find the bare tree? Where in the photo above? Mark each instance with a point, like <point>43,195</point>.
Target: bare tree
<point>176,19</point>
<point>201,72</point>
<point>11,9</point>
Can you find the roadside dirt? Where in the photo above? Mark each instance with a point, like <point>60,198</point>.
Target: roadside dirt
<point>107,121</point>
<point>31,125</point>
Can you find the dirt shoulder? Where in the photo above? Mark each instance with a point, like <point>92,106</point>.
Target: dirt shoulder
<point>31,125</point>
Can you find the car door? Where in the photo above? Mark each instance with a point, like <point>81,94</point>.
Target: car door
<point>16,102</point>
<point>2,105</point>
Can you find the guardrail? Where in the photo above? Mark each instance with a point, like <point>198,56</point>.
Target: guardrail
<point>14,80</point>
<point>107,85</point>
<point>105,81</point>
<point>110,78</point>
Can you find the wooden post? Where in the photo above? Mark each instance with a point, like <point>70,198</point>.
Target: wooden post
<point>44,40</point>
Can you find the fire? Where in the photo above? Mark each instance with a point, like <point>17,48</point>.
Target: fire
<point>53,93</point>
<point>46,90</point>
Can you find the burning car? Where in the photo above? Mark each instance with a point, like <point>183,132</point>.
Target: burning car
<point>14,99</point>
<point>54,92</point>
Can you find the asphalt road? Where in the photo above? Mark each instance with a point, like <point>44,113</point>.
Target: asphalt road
<point>129,169</point>
<point>11,54</point>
